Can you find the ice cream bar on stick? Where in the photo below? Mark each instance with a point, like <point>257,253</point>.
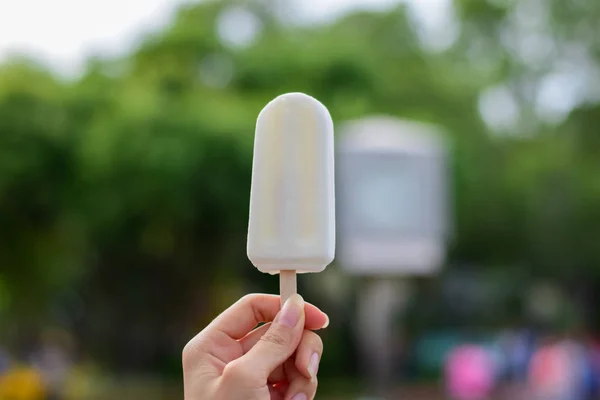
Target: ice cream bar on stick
<point>291,227</point>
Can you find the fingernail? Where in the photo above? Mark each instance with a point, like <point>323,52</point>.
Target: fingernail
<point>291,311</point>
<point>326,324</point>
<point>300,396</point>
<point>313,365</point>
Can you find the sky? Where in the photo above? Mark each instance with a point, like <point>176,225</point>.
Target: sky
<point>64,32</point>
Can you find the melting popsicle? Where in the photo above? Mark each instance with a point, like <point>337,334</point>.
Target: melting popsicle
<point>292,201</point>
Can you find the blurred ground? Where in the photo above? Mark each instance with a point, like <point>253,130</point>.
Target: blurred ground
<point>151,391</point>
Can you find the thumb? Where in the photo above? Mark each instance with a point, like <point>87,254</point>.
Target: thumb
<point>280,341</point>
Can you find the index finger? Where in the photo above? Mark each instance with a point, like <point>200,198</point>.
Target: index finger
<point>243,316</point>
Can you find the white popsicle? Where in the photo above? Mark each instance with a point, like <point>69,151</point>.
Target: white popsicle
<point>292,201</point>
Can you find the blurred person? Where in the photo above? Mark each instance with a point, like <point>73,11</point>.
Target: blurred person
<point>233,359</point>
<point>517,349</point>
<point>514,348</point>
<point>470,373</point>
<point>557,370</point>
<point>593,375</point>
<point>546,371</point>
<point>590,379</point>
<point>52,360</point>
<point>5,361</point>
<point>577,357</point>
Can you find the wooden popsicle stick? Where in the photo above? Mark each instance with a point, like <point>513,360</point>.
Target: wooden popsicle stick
<point>287,284</point>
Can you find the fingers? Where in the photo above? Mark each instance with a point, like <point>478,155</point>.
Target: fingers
<point>309,354</point>
<point>280,340</point>
<point>277,375</point>
<point>250,310</point>
<point>248,341</point>
<point>300,387</point>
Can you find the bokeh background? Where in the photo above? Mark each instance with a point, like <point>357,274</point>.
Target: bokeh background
<point>125,177</point>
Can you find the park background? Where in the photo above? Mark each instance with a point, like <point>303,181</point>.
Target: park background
<point>124,186</point>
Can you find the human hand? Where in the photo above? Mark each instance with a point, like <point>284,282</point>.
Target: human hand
<point>231,359</point>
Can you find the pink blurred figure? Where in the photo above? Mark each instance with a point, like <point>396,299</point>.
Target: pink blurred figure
<point>556,371</point>
<point>469,373</point>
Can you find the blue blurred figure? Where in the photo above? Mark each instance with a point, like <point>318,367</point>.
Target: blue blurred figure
<point>5,361</point>
<point>517,347</point>
<point>592,370</point>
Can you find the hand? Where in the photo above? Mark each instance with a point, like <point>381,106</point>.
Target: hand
<point>232,360</point>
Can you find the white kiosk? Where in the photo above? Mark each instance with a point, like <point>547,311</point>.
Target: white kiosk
<point>393,222</point>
